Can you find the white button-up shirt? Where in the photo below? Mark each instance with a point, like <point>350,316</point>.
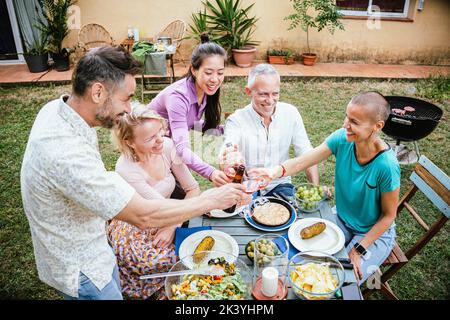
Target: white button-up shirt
<point>264,146</point>
<point>68,195</point>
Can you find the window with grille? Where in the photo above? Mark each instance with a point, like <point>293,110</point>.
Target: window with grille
<point>382,8</point>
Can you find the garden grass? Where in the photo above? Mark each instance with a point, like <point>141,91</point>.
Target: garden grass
<point>322,105</point>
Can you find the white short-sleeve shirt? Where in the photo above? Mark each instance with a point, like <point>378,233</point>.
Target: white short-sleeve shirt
<point>267,147</point>
<point>68,195</point>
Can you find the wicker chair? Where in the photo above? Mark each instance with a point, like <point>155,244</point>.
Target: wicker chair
<point>93,35</point>
<point>176,31</point>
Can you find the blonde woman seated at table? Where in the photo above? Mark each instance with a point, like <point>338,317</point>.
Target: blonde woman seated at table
<point>367,181</point>
<point>149,163</point>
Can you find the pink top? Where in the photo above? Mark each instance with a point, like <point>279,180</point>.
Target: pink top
<point>178,104</point>
<point>150,188</point>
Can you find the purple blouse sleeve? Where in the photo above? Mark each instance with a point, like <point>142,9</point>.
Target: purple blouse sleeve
<point>177,109</point>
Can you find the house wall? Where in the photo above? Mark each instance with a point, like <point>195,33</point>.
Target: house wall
<point>425,40</point>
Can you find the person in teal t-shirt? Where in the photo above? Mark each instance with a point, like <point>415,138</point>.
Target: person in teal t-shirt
<point>367,181</point>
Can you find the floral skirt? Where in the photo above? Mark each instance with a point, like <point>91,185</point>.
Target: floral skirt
<point>137,256</point>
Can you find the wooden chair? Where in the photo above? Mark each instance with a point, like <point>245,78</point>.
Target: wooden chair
<point>93,35</point>
<point>152,85</point>
<point>435,185</point>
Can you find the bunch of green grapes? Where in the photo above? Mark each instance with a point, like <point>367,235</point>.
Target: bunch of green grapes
<point>309,196</point>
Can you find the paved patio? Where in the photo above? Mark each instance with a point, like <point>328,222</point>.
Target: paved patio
<point>19,74</point>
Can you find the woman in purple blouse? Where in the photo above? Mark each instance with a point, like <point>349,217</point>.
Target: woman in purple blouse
<point>184,102</point>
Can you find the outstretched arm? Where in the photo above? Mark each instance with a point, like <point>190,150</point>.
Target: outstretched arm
<point>158,213</point>
<point>295,165</point>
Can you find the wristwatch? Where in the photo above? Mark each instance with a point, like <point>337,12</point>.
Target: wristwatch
<point>360,249</point>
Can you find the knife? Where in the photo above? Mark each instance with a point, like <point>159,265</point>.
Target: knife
<point>208,271</point>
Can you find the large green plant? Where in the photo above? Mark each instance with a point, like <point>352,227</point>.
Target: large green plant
<point>200,25</point>
<point>38,47</point>
<point>55,27</point>
<point>226,22</point>
<point>326,15</point>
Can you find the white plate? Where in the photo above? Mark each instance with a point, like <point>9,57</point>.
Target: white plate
<point>216,213</point>
<point>330,241</point>
<point>223,243</point>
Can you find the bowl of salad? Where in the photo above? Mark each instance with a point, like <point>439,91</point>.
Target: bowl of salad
<point>232,282</point>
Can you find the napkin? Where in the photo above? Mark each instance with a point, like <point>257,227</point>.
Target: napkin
<point>281,245</point>
<point>183,233</point>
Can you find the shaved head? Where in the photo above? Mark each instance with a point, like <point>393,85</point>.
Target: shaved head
<point>377,106</point>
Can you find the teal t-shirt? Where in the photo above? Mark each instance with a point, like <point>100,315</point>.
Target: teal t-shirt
<point>358,188</point>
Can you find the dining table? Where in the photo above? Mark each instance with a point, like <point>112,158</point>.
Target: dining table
<point>238,228</point>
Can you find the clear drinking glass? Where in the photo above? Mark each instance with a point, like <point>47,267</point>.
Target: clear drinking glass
<point>271,260</point>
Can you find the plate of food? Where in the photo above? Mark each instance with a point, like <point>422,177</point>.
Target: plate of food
<point>275,215</point>
<point>233,284</point>
<point>202,245</point>
<point>316,234</point>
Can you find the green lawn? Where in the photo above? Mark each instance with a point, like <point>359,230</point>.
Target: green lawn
<point>322,105</point>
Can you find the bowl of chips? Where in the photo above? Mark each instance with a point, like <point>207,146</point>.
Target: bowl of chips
<point>315,275</point>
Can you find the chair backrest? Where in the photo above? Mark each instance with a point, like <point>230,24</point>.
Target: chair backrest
<point>435,185</point>
<point>175,30</point>
<point>93,35</point>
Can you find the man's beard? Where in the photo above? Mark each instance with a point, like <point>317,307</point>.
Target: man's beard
<point>105,116</point>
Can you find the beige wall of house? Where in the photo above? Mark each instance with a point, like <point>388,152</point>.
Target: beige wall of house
<point>425,40</point>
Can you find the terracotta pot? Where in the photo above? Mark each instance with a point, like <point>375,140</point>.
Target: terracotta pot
<point>244,57</point>
<point>281,60</point>
<point>309,58</point>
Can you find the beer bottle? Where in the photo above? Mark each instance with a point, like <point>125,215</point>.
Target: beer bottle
<point>239,176</point>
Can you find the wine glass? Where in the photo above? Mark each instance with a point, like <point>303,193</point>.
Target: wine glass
<point>230,172</point>
<point>252,185</point>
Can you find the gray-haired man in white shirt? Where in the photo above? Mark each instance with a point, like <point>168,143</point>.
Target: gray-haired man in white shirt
<point>264,130</point>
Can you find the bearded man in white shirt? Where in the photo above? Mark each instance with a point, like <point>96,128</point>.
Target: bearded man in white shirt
<point>67,193</point>
<point>263,131</point>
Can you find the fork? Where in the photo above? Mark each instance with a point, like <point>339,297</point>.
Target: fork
<point>209,271</point>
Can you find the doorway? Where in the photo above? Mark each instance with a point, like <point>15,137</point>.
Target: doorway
<point>10,41</point>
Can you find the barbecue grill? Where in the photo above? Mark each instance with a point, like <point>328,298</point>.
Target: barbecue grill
<point>413,125</point>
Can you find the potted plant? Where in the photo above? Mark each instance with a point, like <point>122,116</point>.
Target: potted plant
<point>280,56</point>
<point>230,26</point>
<point>56,28</point>
<point>36,55</point>
<point>325,15</point>
<point>199,26</point>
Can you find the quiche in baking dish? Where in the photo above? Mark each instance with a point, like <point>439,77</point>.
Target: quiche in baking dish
<point>271,214</point>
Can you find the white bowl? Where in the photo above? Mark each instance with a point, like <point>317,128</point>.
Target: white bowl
<point>316,257</point>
